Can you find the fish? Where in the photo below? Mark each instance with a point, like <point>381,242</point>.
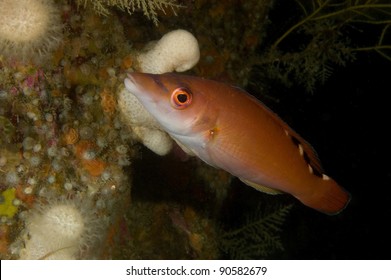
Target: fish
<point>229,129</point>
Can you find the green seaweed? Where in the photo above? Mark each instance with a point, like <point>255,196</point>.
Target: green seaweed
<point>259,237</point>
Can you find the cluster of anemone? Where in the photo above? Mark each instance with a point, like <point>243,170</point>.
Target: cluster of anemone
<point>63,139</point>
<point>65,148</point>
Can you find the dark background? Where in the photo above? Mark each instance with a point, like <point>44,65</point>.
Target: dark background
<point>347,121</point>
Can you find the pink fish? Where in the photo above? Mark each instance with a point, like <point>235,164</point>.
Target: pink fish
<point>229,129</point>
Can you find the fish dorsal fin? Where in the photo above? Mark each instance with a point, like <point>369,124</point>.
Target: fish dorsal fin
<point>306,151</point>
<point>304,148</point>
<point>260,187</point>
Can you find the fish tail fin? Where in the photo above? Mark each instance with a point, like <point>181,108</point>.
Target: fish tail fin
<point>330,198</point>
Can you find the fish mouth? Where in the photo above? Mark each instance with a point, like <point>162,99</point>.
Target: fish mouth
<point>136,89</point>
<point>131,84</point>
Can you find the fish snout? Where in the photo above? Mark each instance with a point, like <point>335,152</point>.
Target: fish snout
<point>131,84</point>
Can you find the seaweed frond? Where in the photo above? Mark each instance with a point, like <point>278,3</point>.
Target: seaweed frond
<point>148,7</point>
<point>259,237</point>
<point>306,52</point>
<point>376,12</point>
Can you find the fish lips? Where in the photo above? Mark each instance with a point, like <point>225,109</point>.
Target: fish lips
<point>131,84</point>
<point>138,90</point>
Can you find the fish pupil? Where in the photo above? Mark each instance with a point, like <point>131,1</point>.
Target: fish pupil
<point>182,98</point>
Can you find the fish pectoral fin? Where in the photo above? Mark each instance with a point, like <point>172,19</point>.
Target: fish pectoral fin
<point>184,148</point>
<point>260,187</point>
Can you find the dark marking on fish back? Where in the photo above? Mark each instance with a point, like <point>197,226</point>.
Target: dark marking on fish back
<point>158,81</point>
<point>311,167</point>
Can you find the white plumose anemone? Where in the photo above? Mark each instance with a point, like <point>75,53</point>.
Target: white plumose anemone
<point>29,29</point>
<point>61,229</point>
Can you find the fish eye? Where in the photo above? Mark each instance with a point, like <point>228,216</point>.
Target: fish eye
<point>181,98</point>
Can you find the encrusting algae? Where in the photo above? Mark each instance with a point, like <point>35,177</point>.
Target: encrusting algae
<point>7,206</point>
